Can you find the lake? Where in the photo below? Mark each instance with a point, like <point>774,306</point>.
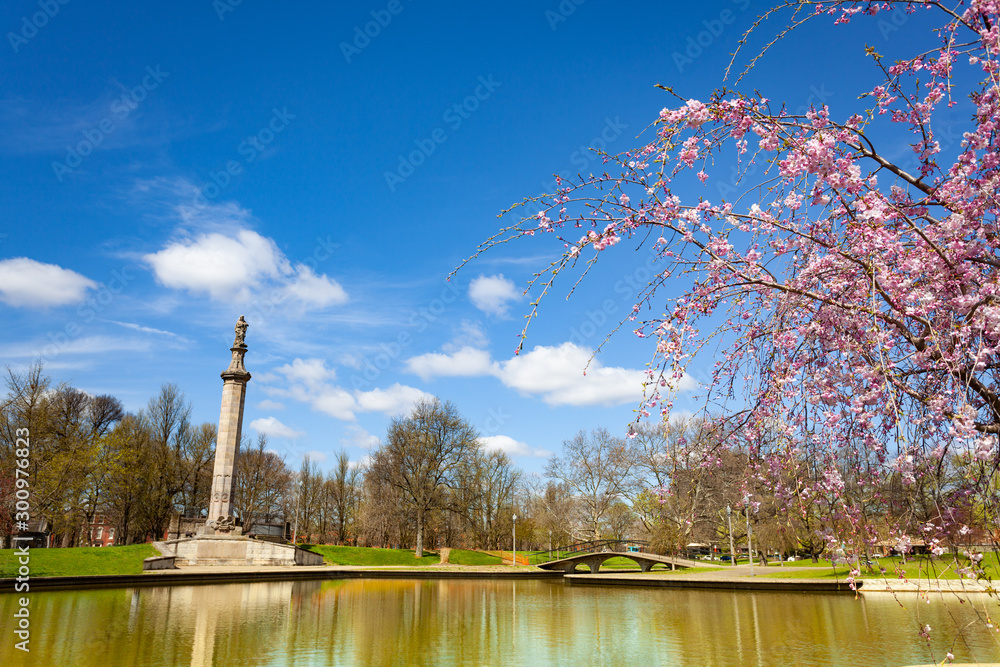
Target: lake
<point>487,622</point>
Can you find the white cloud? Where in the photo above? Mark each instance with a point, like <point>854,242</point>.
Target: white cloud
<point>333,401</point>
<point>25,282</point>
<point>469,334</point>
<point>466,362</point>
<point>315,456</point>
<point>396,400</point>
<point>312,372</point>
<point>224,267</point>
<point>271,426</point>
<point>311,382</point>
<point>359,437</point>
<point>144,329</point>
<point>511,447</point>
<point>491,294</point>
<point>361,463</point>
<point>49,349</point>
<point>312,290</point>
<point>217,253</point>
<point>268,404</point>
<point>557,374</point>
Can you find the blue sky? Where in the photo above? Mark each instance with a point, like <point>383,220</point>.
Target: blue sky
<point>321,169</point>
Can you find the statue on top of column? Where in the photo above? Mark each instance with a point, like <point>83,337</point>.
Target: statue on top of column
<point>241,332</point>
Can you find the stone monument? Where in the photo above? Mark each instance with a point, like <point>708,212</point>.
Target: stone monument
<point>221,542</point>
<point>227,447</point>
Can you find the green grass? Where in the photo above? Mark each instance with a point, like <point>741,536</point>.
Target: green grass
<point>371,556</point>
<point>543,557</point>
<point>78,561</point>
<point>619,563</point>
<point>814,573</point>
<point>913,567</point>
<point>466,557</point>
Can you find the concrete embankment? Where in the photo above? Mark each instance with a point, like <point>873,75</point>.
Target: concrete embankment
<point>188,576</point>
<point>681,581</point>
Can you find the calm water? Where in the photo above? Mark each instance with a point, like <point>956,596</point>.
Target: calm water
<point>475,622</point>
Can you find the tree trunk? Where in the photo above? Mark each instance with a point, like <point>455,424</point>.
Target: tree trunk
<point>420,535</point>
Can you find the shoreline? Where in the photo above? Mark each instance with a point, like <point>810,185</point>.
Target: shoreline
<point>187,576</point>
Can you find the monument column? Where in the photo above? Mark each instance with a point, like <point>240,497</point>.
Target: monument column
<point>227,446</point>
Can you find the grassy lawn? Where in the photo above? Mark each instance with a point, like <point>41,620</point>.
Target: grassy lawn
<point>814,573</point>
<point>543,557</point>
<point>371,556</point>
<point>466,557</point>
<point>76,561</point>
<point>914,567</point>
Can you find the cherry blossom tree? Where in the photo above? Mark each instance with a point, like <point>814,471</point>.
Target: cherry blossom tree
<point>843,299</point>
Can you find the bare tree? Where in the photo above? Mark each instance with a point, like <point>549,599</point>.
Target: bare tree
<point>344,485</point>
<point>595,468</point>
<point>382,514</point>
<point>485,496</point>
<point>129,471</point>
<point>168,417</point>
<point>422,455</point>
<point>262,482</point>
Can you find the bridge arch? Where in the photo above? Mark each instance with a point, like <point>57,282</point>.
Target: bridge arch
<point>595,560</point>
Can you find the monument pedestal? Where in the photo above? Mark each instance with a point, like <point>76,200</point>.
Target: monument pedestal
<point>229,550</point>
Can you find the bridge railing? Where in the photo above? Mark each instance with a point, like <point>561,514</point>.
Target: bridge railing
<point>590,546</point>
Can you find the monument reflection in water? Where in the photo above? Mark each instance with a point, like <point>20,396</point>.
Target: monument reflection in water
<point>446,622</point>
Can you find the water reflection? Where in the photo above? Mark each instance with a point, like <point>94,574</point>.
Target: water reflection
<point>444,622</point>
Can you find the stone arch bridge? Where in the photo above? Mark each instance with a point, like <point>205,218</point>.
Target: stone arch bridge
<point>594,561</point>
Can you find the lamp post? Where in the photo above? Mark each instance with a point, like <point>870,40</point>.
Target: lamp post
<point>749,537</point>
<point>513,526</point>
<point>295,530</point>
<point>732,549</point>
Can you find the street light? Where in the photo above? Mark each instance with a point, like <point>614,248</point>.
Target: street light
<point>513,526</point>
<point>732,549</point>
<point>749,537</point>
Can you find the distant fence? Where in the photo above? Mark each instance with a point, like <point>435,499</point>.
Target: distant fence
<point>522,559</point>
